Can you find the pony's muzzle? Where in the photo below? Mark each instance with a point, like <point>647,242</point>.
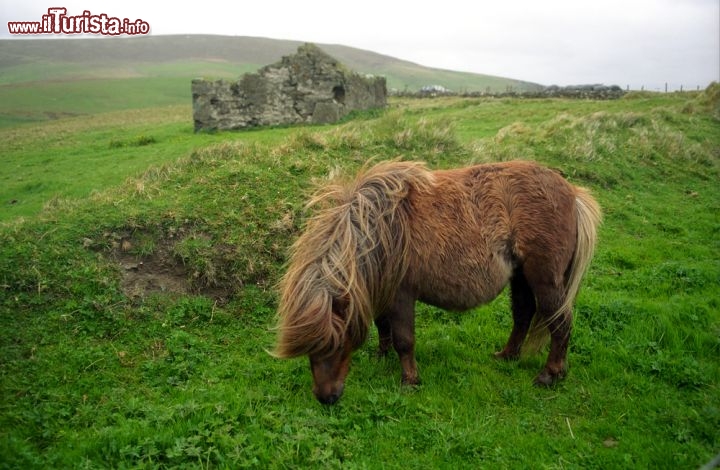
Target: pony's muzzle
<point>330,397</point>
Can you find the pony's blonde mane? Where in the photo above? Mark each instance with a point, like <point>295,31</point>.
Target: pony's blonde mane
<point>349,261</point>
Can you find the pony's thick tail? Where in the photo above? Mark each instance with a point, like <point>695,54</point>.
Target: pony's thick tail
<point>589,217</point>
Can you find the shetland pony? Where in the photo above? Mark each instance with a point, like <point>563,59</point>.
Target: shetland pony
<point>452,238</point>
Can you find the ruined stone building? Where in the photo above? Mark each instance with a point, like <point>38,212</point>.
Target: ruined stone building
<point>307,87</point>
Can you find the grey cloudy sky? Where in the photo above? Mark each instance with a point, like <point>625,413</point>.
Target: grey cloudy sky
<point>625,42</point>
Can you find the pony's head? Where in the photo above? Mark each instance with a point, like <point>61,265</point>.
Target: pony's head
<point>329,372</point>
<point>331,363</point>
<point>320,329</point>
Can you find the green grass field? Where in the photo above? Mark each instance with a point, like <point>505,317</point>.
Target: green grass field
<point>137,265</point>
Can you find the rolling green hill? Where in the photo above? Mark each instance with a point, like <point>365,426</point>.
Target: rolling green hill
<point>46,78</point>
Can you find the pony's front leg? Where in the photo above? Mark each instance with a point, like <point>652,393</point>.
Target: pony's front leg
<point>382,323</point>
<point>402,324</point>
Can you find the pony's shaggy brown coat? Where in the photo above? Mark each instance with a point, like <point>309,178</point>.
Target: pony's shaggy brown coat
<point>451,238</point>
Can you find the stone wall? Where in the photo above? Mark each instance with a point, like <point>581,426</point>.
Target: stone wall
<point>307,87</point>
<point>589,92</point>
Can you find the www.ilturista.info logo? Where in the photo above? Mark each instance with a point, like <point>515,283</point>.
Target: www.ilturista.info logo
<point>58,22</point>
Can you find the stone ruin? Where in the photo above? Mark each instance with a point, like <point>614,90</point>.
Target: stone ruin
<point>307,87</point>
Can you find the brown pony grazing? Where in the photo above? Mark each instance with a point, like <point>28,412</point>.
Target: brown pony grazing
<point>452,238</point>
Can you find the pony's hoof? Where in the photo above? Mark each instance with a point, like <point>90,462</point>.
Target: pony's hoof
<point>411,382</point>
<point>505,356</point>
<point>548,379</point>
<point>544,380</point>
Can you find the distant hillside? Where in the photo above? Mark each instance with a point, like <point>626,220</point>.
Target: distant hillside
<point>209,56</point>
<point>43,79</point>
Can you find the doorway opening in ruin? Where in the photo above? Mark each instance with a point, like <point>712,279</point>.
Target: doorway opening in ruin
<point>339,94</point>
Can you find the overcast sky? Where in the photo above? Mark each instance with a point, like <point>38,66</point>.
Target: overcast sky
<point>624,42</point>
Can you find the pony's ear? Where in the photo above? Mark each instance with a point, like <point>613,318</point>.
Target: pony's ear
<point>322,334</point>
<point>346,325</point>
<point>340,305</point>
<point>330,337</point>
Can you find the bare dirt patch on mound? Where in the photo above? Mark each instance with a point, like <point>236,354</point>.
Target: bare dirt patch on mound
<point>150,264</point>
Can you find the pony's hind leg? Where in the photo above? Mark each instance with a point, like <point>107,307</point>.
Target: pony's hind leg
<point>560,327</point>
<point>559,324</point>
<point>523,309</point>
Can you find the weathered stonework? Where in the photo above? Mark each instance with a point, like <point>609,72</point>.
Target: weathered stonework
<point>307,87</point>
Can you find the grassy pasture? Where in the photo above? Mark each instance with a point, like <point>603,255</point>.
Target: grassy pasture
<point>103,369</point>
<point>33,102</point>
<point>74,157</point>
